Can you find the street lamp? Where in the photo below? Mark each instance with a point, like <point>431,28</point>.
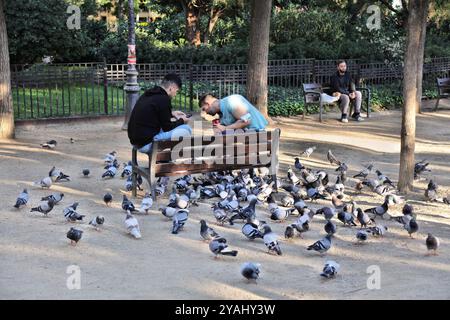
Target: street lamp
<point>131,86</point>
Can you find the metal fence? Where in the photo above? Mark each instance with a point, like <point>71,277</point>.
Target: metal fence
<point>78,89</point>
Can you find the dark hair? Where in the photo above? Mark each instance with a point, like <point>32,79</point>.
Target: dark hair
<point>203,98</point>
<point>171,78</point>
<point>338,62</point>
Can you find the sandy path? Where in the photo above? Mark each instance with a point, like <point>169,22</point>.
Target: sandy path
<point>35,253</point>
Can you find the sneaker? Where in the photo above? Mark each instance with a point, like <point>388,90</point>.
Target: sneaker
<point>345,120</point>
<point>357,117</point>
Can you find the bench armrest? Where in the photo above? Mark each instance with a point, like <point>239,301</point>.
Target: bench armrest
<point>363,89</point>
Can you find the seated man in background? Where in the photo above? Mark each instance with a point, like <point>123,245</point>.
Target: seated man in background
<point>235,112</point>
<point>343,87</point>
<point>151,118</point>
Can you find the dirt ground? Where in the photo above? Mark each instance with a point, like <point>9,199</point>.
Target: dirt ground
<point>35,252</point>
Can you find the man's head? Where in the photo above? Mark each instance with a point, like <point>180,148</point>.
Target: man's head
<point>341,66</point>
<point>171,83</point>
<point>208,103</point>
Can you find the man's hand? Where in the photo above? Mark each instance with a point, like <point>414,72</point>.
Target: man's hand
<point>220,127</point>
<point>185,119</point>
<point>178,114</point>
<point>336,94</point>
<point>352,95</point>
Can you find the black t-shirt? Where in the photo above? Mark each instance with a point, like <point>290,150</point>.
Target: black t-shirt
<point>152,112</point>
<point>342,83</point>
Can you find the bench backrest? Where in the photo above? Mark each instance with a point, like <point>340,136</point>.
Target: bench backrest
<point>443,85</point>
<point>215,153</point>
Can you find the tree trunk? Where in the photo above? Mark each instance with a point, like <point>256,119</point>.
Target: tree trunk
<point>192,14</point>
<point>6,106</point>
<point>119,12</point>
<point>418,11</point>
<point>258,56</point>
<point>420,60</point>
<point>213,18</point>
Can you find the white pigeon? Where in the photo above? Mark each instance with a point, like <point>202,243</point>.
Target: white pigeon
<point>132,225</point>
<point>146,204</point>
<point>44,183</point>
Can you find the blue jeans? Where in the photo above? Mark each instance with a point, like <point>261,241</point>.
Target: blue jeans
<point>183,130</point>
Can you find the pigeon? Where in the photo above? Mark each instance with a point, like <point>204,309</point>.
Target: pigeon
<point>298,204</point>
<point>44,183</point>
<point>57,175</point>
<point>364,173</point>
<point>322,245</point>
<point>110,157</point>
<point>405,219</point>
<point>250,271</point>
<point>72,140</point>
<point>361,235</point>
<point>342,168</point>
<point>49,144</point>
<point>74,235</point>
<point>146,203</point>
<point>271,240</point>
<point>220,214</point>
<point>132,225</point>
<point>298,165</point>
<point>251,231</point>
<point>330,269</point>
<point>411,227</point>
<point>127,169</point>
<point>332,158</point>
<point>272,204</point>
<point>431,191</point>
<point>432,243</point>
<point>292,177</point>
<point>107,198</point>
<point>280,214</point>
<point>336,200</point>
<point>182,201</point>
<point>114,164</point>
<point>289,233</point>
<point>127,205</point>
<point>246,212</point>
<point>219,245</point>
<point>179,219</point>
<point>70,213</point>
<point>302,224</point>
<point>419,168</point>
<point>307,153</point>
<point>168,212</point>
<point>86,172</point>
<point>384,179</point>
<point>110,172</point>
<point>330,228</point>
<point>363,218</point>
<point>56,197</point>
<point>287,201</point>
<point>378,230</point>
<point>44,207</point>
<point>97,221</point>
<point>327,212</point>
<point>346,218</point>
<point>206,232</point>
<point>379,210</point>
<point>314,194</point>
<point>408,210</point>
<point>22,199</point>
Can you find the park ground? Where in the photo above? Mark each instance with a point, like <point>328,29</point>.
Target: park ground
<point>35,252</point>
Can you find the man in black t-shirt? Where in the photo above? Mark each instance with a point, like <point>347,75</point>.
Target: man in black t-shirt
<point>343,87</point>
<point>151,118</point>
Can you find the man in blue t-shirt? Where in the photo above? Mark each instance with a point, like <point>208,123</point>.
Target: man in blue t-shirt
<point>235,112</point>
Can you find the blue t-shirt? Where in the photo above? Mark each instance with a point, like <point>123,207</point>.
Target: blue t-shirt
<point>228,105</point>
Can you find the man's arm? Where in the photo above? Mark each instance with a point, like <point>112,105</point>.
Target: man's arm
<point>165,116</point>
<point>335,85</point>
<point>240,113</point>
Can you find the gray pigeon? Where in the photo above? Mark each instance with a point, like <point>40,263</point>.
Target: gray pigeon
<point>44,207</point>
<point>346,218</point>
<point>271,240</point>
<point>431,191</point>
<point>74,235</point>
<point>289,233</point>
<point>361,235</point>
<point>364,173</point>
<point>146,203</point>
<point>330,269</point>
<point>411,227</point>
<point>363,218</point>
<point>97,221</point>
<point>168,212</point>
<point>280,214</point>
<point>332,158</point>
<point>219,246</point>
<point>127,169</point>
<point>127,204</point>
<point>251,231</point>
<point>132,225</point>
<point>86,172</point>
<point>206,232</point>
<point>179,219</point>
<point>327,212</point>
<point>378,230</point>
<point>322,245</point>
<point>107,198</point>
<point>56,197</point>
<point>22,199</point>
<point>330,228</point>
<point>307,153</point>
<point>51,144</point>
<point>71,215</point>
<point>44,183</point>
<point>110,172</point>
<point>57,175</point>
<point>250,271</point>
<point>432,243</point>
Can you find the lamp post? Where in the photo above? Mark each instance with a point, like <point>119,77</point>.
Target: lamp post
<point>131,86</point>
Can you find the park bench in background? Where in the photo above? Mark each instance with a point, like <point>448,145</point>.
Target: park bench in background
<point>443,89</point>
<point>240,150</point>
<point>312,95</point>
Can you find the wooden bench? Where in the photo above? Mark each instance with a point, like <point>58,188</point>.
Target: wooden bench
<point>312,95</point>
<point>443,88</point>
<point>199,154</point>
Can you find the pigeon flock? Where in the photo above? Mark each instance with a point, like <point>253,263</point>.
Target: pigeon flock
<point>233,196</point>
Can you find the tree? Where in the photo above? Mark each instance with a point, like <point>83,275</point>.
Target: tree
<point>412,75</point>
<point>258,56</point>
<point>6,106</point>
